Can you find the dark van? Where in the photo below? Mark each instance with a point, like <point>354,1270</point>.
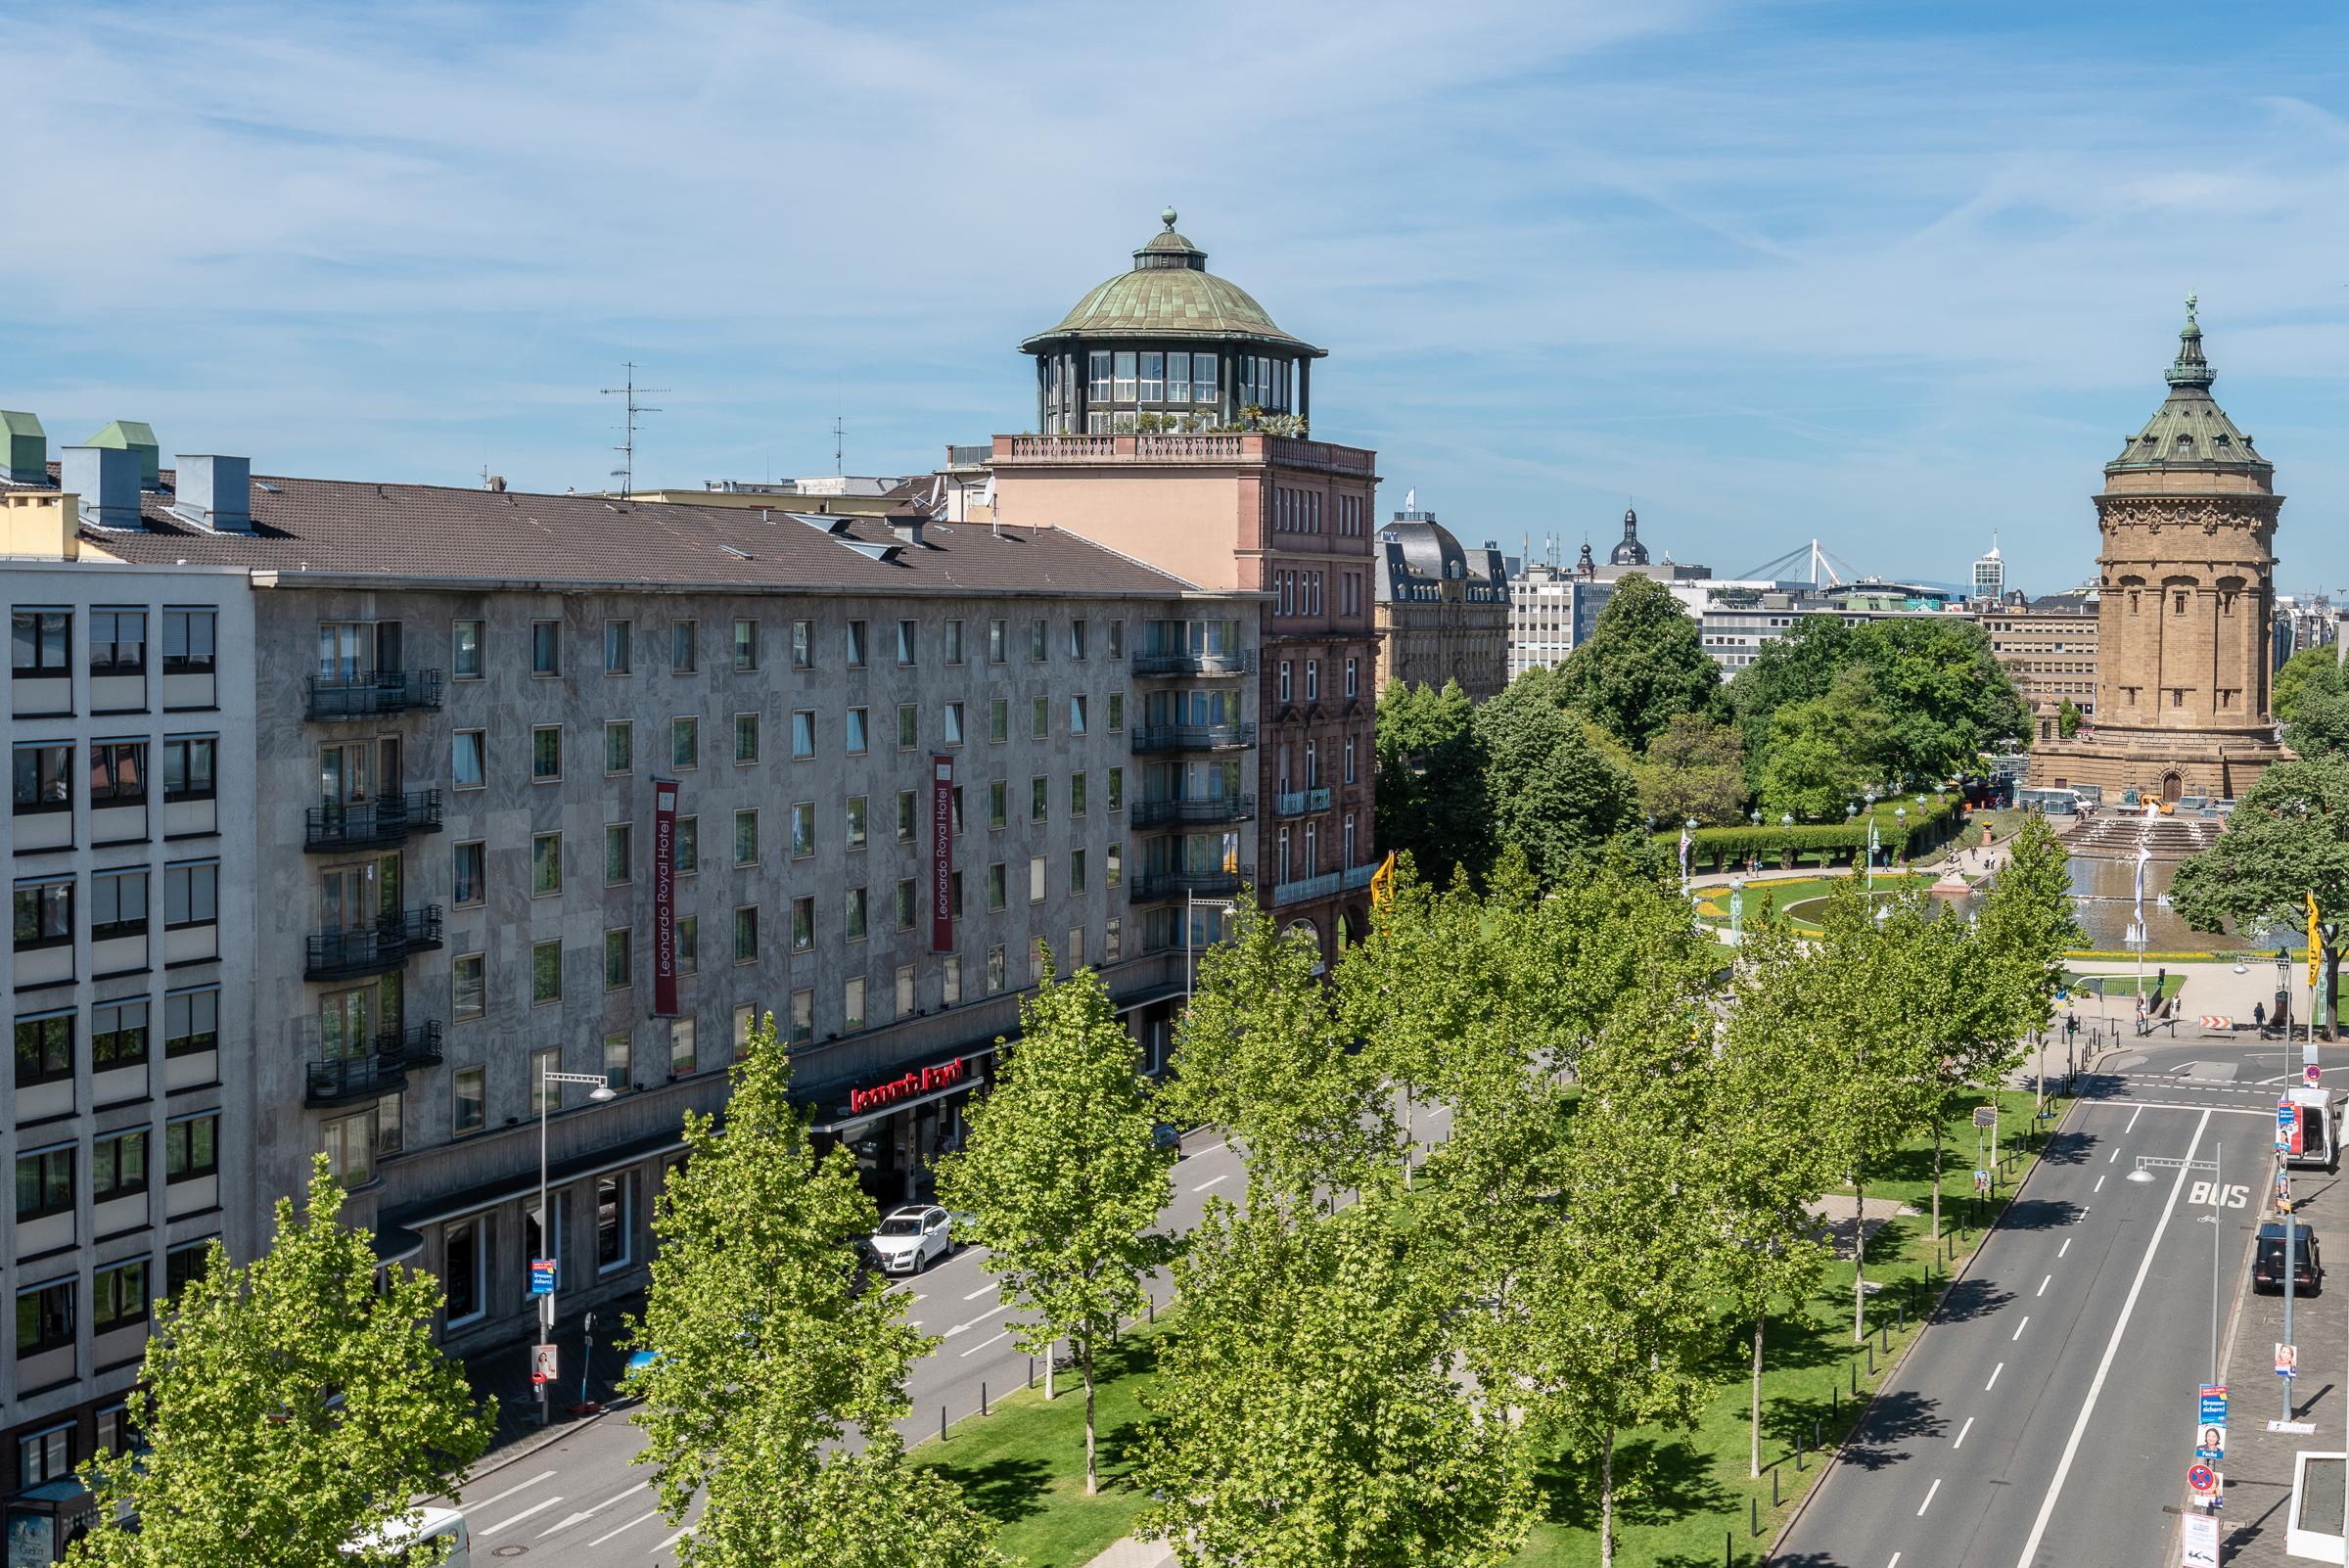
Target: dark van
<point>2308,1264</point>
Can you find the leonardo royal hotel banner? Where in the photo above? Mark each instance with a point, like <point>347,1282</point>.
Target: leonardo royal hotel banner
<point>664,898</point>
<point>941,854</point>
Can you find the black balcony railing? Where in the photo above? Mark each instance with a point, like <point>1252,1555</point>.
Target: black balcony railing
<point>1227,808</point>
<point>419,1046</point>
<point>353,1078</point>
<point>378,694</point>
<point>373,948</point>
<point>1207,664</point>
<point>1193,737</point>
<point>1156,885</point>
<point>371,824</point>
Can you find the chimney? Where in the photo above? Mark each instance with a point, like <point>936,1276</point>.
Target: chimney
<point>497,483</point>
<point>23,448</point>
<point>216,493</point>
<point>907,526</point>
<point>107,479</point>
<point>135,437</point>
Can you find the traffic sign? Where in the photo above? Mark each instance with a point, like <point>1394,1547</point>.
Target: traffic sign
<point>542,1363</point>
<point>2200,1542</point>
<point>2217,1021</point>
<point>2312,1074</point>
<point>1986,1116</point>
<point>542,1276</point>
<point>2203,1480</point>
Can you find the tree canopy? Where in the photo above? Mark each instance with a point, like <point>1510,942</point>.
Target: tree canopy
<point>1431,783</point>
<point>1549,787</point>
<point>2286,838</point>
<point>1694,768</point>
<point>2309,670</point>
<point>1643,661</point>
<point>1825,749</point>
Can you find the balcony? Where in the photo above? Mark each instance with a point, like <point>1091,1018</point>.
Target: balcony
<point>1248,447</point>
<point>353,1078</point>
<point>1359,876</point>
<point>1307,888</point>
<point>418,1047</point>
<point>375,694</point>
<point>371,824</point>
<point>354,950</point>
<point>1227,809</point>
<point>1155,884</point>
<point>1211,665</point>
<point>1193,737</point>
<point>1296,803</point>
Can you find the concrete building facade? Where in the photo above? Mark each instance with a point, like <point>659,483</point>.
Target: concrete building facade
<point>2049,646</point>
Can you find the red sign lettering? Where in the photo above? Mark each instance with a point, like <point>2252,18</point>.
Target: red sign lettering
<point>925,1081</point>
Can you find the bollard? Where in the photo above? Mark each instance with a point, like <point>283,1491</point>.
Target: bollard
<point>1833,1395</point>
<point>1774,1486</point>
<point>1753,1514</point>
<point>1032,1371</point>
<point>1729,1549</point>
<point>1855,1381</point>
<point>942,1423</point>
<point>1814,1434</point>
<point>1154,1307</point>
<point>982,1399</point>
<point>1872,1360</point>
<point>1884,1331</point>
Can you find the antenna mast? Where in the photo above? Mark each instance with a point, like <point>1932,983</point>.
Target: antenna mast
<point>836,435</point>
<point>626,471</point>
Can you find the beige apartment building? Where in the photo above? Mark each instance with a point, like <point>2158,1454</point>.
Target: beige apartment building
<point>2049,646</point>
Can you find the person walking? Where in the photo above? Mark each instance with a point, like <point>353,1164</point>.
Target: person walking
<point>2259,1018</point>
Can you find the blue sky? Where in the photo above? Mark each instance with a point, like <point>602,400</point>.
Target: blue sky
<point>1893,274</point>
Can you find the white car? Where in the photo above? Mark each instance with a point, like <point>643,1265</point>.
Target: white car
<point>912,1238</point>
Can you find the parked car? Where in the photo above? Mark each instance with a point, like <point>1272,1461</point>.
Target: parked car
<point>442,1526</point>
<point>910,1239</point>
<point>2308,1260</point>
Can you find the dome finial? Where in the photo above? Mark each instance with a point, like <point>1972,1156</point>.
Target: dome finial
<point>1167,216</point>
<point>2193,300</point>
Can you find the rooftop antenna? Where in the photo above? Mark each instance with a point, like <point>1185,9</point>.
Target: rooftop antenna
<point>626,471</point>
<point>836,435</point>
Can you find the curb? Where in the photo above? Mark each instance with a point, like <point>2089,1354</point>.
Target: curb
<point>527,1447</point>
<point>1828,1472</point>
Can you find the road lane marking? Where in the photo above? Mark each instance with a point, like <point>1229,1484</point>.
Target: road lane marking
<point>2115,1154</point>
<point>1962,1432</point>
<point>973,1324</point>
<point>2132,1126</point>
<point>2100,1186</point>
<point>2018,1329</point>
<point>981,1291</point>
<point>1928,1502</point>
<point>1896,1561</point>
<point>2066,1247</point>
<point>589,1513</point>
<point>1994,1377</point>
<point>671,1542</point>
<point>535,1508</point>
<point>2112,1346</point>
<point>2042,1284</point>
<point>524,1486</point>
<point>1202,1153</point>
<point>1211,1182</point>
<point>983,1344</point>
<point>624,1529</point>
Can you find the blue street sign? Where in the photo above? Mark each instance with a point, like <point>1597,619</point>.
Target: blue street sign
<point>542,1276</point>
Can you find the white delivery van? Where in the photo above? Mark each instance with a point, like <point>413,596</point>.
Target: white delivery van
<point>437,1525</point>
<point>2319,1129</point>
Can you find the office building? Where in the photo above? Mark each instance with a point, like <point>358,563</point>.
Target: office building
<point>1443,612</point>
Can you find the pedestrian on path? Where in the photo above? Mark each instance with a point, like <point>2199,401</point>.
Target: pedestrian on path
<point>2259,1018</point>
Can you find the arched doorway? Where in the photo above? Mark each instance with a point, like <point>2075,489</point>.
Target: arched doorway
<point>2172,786</point>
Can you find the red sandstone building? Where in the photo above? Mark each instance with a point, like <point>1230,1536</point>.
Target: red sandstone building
<point>1176,413</point>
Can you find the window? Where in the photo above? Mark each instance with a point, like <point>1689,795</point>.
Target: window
<point>1035,879</point>
<point>685,943</point>
<point>546,866</point>
<point>1075,795</point>
<point>953,734</point>
<point>856,822</point>
<point>905,816</point>
<point>746,739</point>
<point>906,642</point>
<point>45,1322</point>
<point>1203,377</point>
<point>1352,676</point>
<point>745,645</point>
<point>44,1184</point>
<point>1350,759</point>
<point>1312,680</point>
<point>613,1208</point>
<point>1075,871</point>
<point>684,652</point>
<point>192,1021</point>
<point>684,743</point>
<point>615,1061</point>
<point>1117,712</point>
<point>464,648</point>
<point>42,778</point>
<point>616,648</point>
<point>465,759</point>
<point>462,1265</point>
<point>854,927</point>
<point>348,1144</point>
<point>681,1046</point>
<point>953,654</point>
<point>1075,956</point>
<point>689,845</point>
<point>45,1456</point>
<point>188,642</point>
<point>855,645</point>
<point>998,641</point>
<point>851,1003</point>
<point>1153,378</point>
<point>117,772</point>
<point>745,838</point>
<point>746,933</point>
<point>802,1015</point>
<point>546,753</point>
<point>469,1110</point>
<point>619,852</point>
<point>803,923</point>
<point>619,746</point>
<point>1097,376</point>
<point>803,645</point>
<point>995,970</point>
<point>190,768</point>
<point>1117,788</point>
<point>1040,797</point>
<point>192,1147</point>
<point>117,905</point>
<point>998,719</point>
<point>546,972</point>
<point>951,980</point>
<point>118,1166</point>
<point>183,1263</point>
<point>40,641</point>
<point>191,895</point>
<point>545,1096</point>
<point>854,734</point>
<point>118,642</point>
<point>908,726</point>
<point>546,647</point>
<point>620,958</point>
<point>467,990</point>
<point>997,807</point>
<point>996,894</point>
<point>118,1035</point>
<point>1285,686</point>
<point>2181,598</point>
<point>803,828</point>
<point>1077,715</point>
<point>908,904</point>
<point>1038,962</point>
<point>1038,641</point>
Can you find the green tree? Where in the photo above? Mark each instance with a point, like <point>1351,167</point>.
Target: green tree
<point>1944,693</point>
<point>2286,838</point>
<point>1308,1414</point>
<point>1794,668</point>
<point>1643,661</point>
<point>2309,670</point>
<point>289,1407</point>
<point>1824,751</point>
<point>1431,779</point>
<point>1063,1178</point>
<point>2027,925</point>
<point>779,1379</point>
<point>1549,787</point>
<point>2320,725</point>
<point>2068,719</point>
<point>1694,768</point>
<point>1261,1054</point>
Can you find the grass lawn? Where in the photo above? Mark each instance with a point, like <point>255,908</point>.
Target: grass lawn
<point>1683,1491</point>
<point>1771,896</point>
<point>2123,984</point>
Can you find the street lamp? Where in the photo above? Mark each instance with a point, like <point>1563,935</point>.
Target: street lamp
<point>2144,1175</point>
<point>2284,998</point>
<point>1900,828</point>
<point>547,1079</point>
<point>1687,854</point>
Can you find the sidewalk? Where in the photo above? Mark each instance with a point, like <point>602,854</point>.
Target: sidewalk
<point>504,1370</point>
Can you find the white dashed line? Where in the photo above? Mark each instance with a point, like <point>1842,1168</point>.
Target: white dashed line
<point>973,1324</point>
<point>2018,1329</point>
<point>981,1291</point>
<point>1896,1561</point>
<point>2100,1186</point>
<point>671,1542</point>
<point>2066,1247</point>
<point>983,1344</point>
<point>1211,1182</point>
<point>1962,1432</point>
<point>589,1513</point>
<point>2042,1287</point>
<point>1928,1502</point>
<point>508,1524</point>
<point>1994,1377</point>
<point>524,1486</point>
<point>2132,1126</point>
<point>2114,1155</point>
<point>649,1513</point>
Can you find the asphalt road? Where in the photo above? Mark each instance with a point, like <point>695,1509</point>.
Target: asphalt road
<point>2045,1416</point>
<point>581,1502</point>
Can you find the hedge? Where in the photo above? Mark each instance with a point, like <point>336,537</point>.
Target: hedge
<point>1819,843</point>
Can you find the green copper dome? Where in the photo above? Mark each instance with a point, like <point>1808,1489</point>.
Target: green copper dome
<point>1170,295</point>
<point>2189,430</point>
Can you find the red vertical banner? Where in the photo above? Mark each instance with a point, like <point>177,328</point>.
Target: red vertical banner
<point>941,854</point>
<point>664,898</point>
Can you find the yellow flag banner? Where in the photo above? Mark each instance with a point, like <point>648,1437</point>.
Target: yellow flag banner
<point>2316,940</point>
<point>1382,882</point>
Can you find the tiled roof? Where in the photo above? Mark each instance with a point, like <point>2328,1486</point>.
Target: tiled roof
<point>424,533</point>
